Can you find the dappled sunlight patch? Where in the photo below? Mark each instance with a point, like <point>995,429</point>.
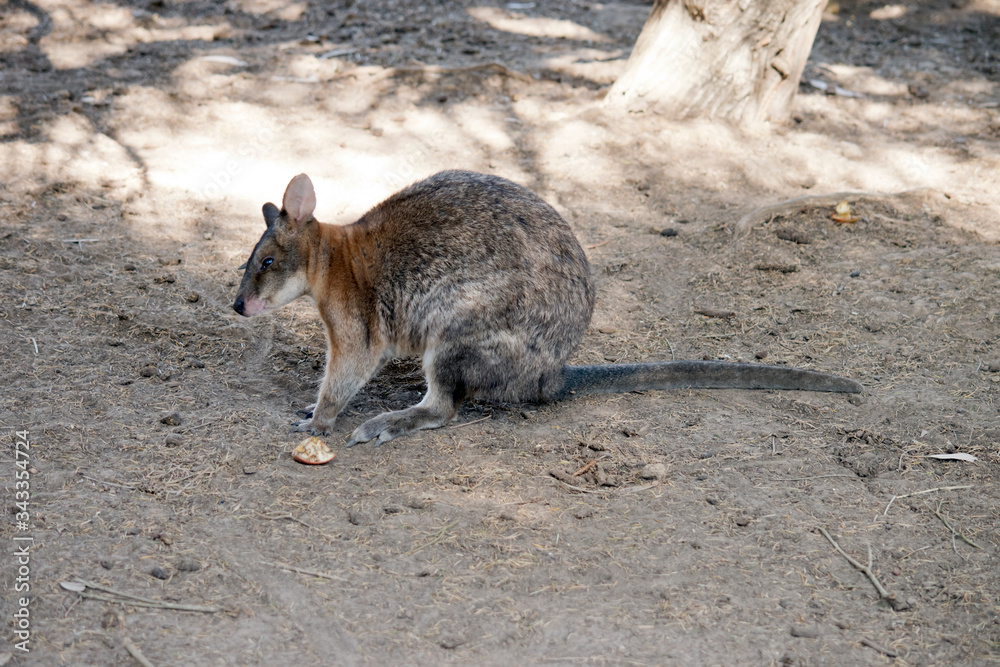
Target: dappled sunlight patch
<point>575,151</point>
<point>888,12</point>
<point>14,28</point>
<point>599,66</point>
<point>85,32</point>
<point>486,126</point>
<point>534,27</point>
<point>73,151</point>
<point>279,9</point>
<point>864,80</point>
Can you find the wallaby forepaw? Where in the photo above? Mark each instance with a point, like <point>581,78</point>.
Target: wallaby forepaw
<point>311,426</point>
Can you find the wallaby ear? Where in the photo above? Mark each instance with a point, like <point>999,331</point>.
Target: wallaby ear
<point>271,213</point>
<point>300,199</point>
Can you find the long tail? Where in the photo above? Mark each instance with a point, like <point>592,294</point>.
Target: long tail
<point>617,378</point>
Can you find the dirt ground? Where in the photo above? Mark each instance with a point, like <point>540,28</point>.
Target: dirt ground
<point>138,141</point>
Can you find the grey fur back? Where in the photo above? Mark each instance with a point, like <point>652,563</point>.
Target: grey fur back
<point>487,274</point>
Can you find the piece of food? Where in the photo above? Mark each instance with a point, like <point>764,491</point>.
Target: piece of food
<point>842,213</point>
<point>313,451</point>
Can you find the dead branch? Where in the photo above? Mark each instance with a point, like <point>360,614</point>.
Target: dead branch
<point>134,651</point>
<point>954,533</point>
<point>867,571</point>
<point>306,571</point>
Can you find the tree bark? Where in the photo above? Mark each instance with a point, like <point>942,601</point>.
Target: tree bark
<point>738,60</point>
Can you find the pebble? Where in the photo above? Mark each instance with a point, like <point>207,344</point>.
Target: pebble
<point>149,371</point>
<point>806,631</point>
<point>173,419</point>
<point>189,565</point>
<point>653,471</point>
<point>192,297</point>
<point>159,573</point>
<point>173,441</point>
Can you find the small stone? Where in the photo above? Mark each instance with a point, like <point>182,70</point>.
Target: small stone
<point>607,329</point>
<point>128,267</point>
<point>149,372</point>
<point>855,273</point>
<point>451,641</point>
<point>192,297</point>
<point>166,279</point>
<point>653,471</point>
<point>159,573</point>
<point>207,236</point>
<point>173,441</point>
<point>165,539</point>
<point>196,363</point>
<point>761,354</point>
<point>806,631</point>
<point>416,502</point>
<point>584,513</point>
<point>249,470</point>
<point>188,565</point>
<point>742,521</point>
<point>173,419</point>
<point>668,231</point>
<point>107,564</point>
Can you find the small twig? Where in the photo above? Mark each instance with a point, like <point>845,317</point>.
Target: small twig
<point>140,601</point>
<point>153,604</point>
<point>134,651</point>
<point>476,421</point>
<point>302,570</point>
<point>644,487</point>
<point>274,516</point>
<point>954,533</point>
<point>575,488</point>
<point>598,245</point>
<point>889,653</point>
<point>920,493</point>
<point>101,481</point>
<point>78,241</point>
<point>437,69</point>
<point>865,569</point>
<point>587,467</point>
<point>802,479</point>
<point>437,538</point>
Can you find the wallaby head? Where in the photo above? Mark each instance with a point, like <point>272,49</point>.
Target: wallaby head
<point>276,271</point>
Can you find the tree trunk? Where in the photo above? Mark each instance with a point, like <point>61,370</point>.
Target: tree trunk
<point>738,60</point>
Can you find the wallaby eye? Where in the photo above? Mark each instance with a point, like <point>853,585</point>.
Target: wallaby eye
<point>268,261</point>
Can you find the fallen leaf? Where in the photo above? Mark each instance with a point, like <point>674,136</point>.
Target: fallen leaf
<point>954,457</point>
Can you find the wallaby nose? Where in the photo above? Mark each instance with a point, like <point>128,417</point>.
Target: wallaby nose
<point>239,305</point>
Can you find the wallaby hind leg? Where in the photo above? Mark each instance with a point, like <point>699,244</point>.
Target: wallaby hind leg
<point>446,389</point>
<point>436,409</point>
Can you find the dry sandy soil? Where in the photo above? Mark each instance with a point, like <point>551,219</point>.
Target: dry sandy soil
<point>138,141</point>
